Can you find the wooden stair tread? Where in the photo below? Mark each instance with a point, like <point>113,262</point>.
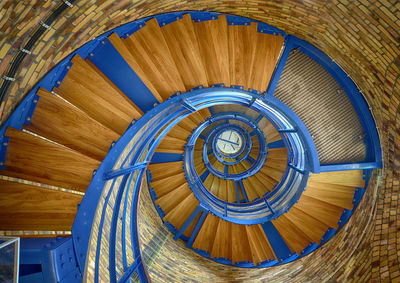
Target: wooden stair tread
<point>271,133</point>
<point>335,194</point>
<point>324,212</point>
<point>178,215</point>
<point>295,238</point>
<point>222,245</point>
<point>151,52</point>
<point>163,186</point>
<point>352,178</point>
<point>309,225</point>
<point>162,170</point>
<point>173,198</point>
<point>35,159</point>
<point>122,48</point>
<point>260,247</point>
<point>212,37</point>
<point>241,250</point>
<point>251,192</point>
<point>102,101</point>
<point>189,230</point>
<point>59,121</point>
<point>241,49</point>
<point>205,238</point>
<point>182,42</point>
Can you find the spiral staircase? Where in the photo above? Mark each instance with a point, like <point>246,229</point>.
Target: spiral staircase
<point>185,102</point>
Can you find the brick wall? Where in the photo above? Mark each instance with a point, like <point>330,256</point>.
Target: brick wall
<point>361,36</point>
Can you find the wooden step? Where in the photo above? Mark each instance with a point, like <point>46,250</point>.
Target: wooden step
<point>171,144</point>
<point>352,178</point>
<point>163,170</point>
<point>324,212</point>
<point>278,153</point>
<point>121,46</point>
<point>151,52</point>
<point>295,238</point>
<point>271,133</point>
<point>241,250</point>
<point>178,215</point>
<point>179,133</point>
<point>251,192</point>
<point>309,225</point>
<point>205,238</point>
<point>263,63</point>
<point>268,182</point>
<point>278,164</point>
<point>242,40</point>
<point>223,190</point>
<point>59,121</point>
<point>164,186</point>
<point>215,186</point>
<point>212,37</point>
<point>29,207</point>
<point>222,245</point>
<point>231,191</point>
<point>102,100</point>
<point>260,247</point>
<point>189,230</point>
<point>272,172</point>
<point>182,42</point>
<point>258,186</point>
<point>35,159</point>
<point>338,195</point>
<point>173,198</point>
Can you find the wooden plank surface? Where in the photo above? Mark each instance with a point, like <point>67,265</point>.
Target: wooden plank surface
<point>59,121</point>
<point>182,42</point>
<point>352,178</point>
<point>222,246</point>
<point>260,247</point>
<point>151,52</point>
<point>212,37</point>
<point>241,250</point>
<point>28,207</point>
<point>165,185</point>
<point>205,238</point>
<point>335,194</point>
<point>102,100</point>
<point>173,198</point>
<point>180,213</point>
<point>35,159</point>
<point>163,170</point>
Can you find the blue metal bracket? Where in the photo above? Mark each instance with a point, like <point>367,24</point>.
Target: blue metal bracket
<point>297,169</point>
<point>188,106</point>
<point>116,173</point>
<point>276,144</point>
<point>31,109</point>
<point>269,206</point>
<point>3,151</point>
<point>164,157</point>
<point>279,246</point>
<point>287,130</point>
<point>131,269</point>
<point>63,73</point>
<point>243,190</point>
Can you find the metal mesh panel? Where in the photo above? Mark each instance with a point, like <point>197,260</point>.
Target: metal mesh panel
<point>323,106</point>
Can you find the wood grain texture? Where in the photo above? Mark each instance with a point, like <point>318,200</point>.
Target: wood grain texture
<point>295,238</point>
<point>352,178</point>
<point>260,247</point>
<point>264,59</point>
<point>151,52</point>
<point>310,226</point>
<point>35,159</point>
<point>28,207</point>
<point>241,250</point>
<point>189,230</point>
<point>165,185</point>
<point>163,170</point>
<point>322,211</point>
<point>182,42</point>
<point>212,37</point>
<point>334,194</point>
<point>88,89</point>
<point>180,213</point>
<point>122,48</point>
<point>222,246</point>
<point>173,198</point>
<point>270,132</point>
<point>59,121</point>
<point>205,238</point>
<point>242,40</point>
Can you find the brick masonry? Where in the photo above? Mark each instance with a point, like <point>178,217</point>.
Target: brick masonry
<point>361,36</point>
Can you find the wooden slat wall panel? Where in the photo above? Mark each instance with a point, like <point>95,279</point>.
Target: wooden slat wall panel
<point>151,52</point>
<point>212,37</point>
<point>102,100</point>
<point>28,207</point>
<point>182,42</point>
<point>57,120</point>
<point>35,159</point>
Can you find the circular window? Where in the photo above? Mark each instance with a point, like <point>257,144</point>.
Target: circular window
<point>229,142</point>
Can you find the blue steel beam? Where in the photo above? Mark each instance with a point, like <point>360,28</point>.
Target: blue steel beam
<point>196,229</point>
<point>187,222</point>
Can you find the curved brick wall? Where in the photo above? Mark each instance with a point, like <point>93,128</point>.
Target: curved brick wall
<point>361,36</point>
